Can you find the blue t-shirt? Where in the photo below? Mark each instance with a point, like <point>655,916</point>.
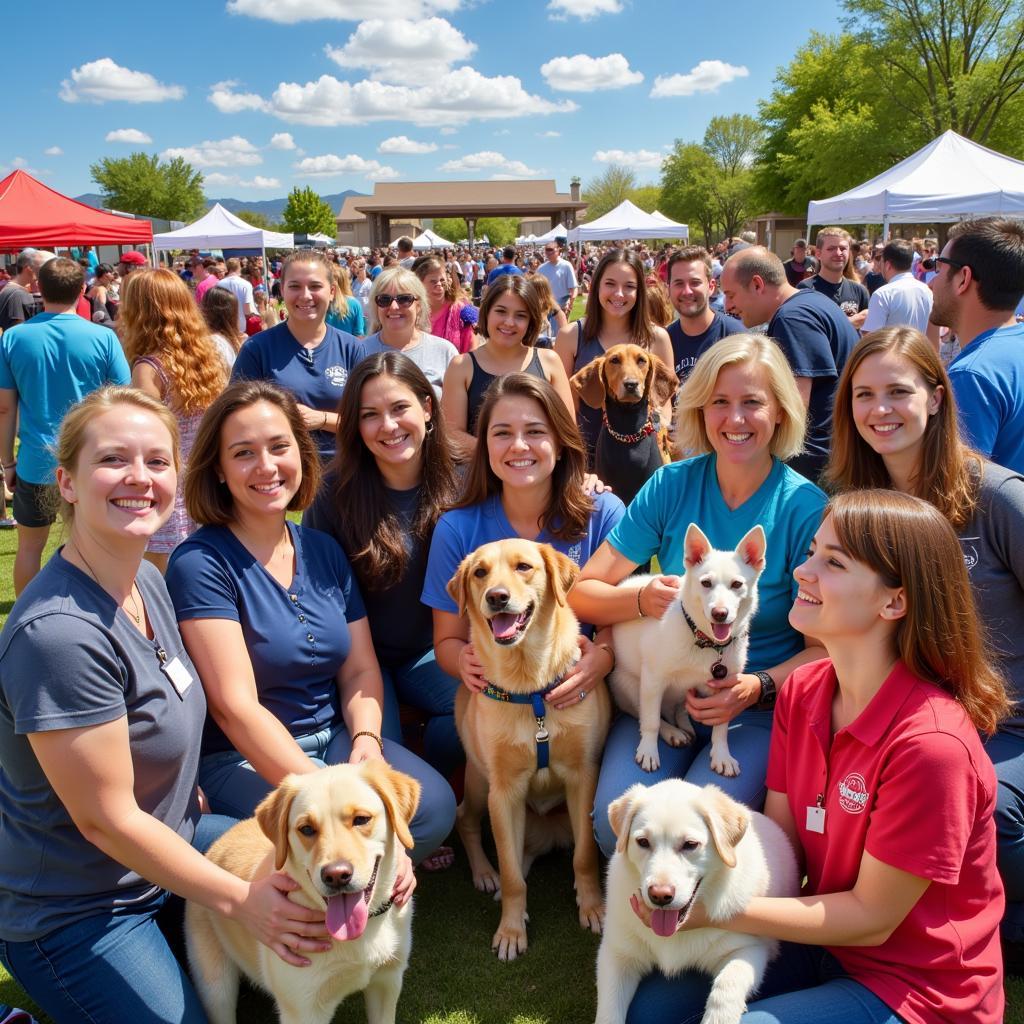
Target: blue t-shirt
<point>687,349</point>
<point>53,361</point>
<point>315,377</point>
<point>297,637</point>
<point>817,339</point>
<point>786,505</point>
<point>501,270</point>
<point>353,322</point>
<point>462,530</point>
<point>988,382</point>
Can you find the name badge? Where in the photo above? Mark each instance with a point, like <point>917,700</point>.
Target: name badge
<point>816,820</point>
<point>180,677</point>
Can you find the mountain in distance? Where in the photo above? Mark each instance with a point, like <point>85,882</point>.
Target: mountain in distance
<point>272,208</point>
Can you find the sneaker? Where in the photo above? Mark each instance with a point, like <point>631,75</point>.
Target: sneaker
<point>8,523</point>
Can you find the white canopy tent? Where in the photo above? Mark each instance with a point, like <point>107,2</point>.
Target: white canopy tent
<point>527,240</point>
<point>219,228</point>
<point>429,240</point>
<point>628,221</point>
<point>949,179</point>
<point>558,232</point>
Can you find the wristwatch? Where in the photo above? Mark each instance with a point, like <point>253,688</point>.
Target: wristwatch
<point>768,692</point>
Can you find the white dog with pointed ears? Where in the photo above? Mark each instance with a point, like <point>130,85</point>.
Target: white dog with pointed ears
<point>701,636</point>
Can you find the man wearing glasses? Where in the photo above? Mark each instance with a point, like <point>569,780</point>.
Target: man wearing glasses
<point>560,275</point>
<point>978,284</point>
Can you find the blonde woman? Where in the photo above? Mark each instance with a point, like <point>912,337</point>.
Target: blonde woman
<point>173,359</point>
<point>346,312</point>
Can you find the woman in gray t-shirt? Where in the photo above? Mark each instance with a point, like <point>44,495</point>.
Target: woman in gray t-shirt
<point>101,713</point>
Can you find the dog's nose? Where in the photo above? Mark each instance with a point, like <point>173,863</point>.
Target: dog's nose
<point>632,386</point>
<point>719,614</point>
<point>661,895</point>
<point>336,875</point>
<point>497,598</point>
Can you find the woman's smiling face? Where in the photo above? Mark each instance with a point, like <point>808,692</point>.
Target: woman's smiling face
<point>521,443</point>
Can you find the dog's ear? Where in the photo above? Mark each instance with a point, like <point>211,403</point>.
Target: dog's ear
<point>752,548</point>
<point>696,546</point>
<point>620,815</point>
<point>458,585</point>
<point>272,816</point>
<point>662,383</point>
<point>561,570</point>
<point>589,383</point>
<point>400,794</point>
<point>727,821</point>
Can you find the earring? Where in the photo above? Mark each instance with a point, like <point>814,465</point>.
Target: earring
<point>430,427</point>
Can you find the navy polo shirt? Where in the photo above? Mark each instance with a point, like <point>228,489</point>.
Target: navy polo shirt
<point>297,637</point>
<point>315,376</point>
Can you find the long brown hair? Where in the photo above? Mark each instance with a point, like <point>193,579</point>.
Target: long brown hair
<point>371,529</point>
<point>518,285</point>
<point>641,329</point>
<point>159,317</point>
<point>948,472</point>
<point>910,544</point>
<point>569,508</point>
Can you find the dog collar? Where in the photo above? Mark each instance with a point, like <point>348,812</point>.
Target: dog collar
<point>539,711</point>
<point>645,431</point>
<point>702,640</point>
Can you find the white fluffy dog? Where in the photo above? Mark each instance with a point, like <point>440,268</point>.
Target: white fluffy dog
<point>677,842</point>
<point>703,635</point>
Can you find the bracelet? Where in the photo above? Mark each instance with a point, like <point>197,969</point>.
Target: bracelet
<point>608,648</point>
<point>324,427</point>
<point>373,736</point>
<point>8,465</point>
<point>640,610</point>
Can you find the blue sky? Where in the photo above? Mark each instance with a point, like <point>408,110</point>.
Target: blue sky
<point>262,95</point>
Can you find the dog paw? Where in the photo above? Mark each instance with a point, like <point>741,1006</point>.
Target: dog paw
<point>509,941</point>
<point>487,880</point>
<point>725,765</point>
<point>676,737</point>
<point>592,917</point>
<point>647,755</point>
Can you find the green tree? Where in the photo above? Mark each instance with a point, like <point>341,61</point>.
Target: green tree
<point>500,230</point>
<point>260,220</point>
<point>607,190</point>
<point>733,141</point>
<point>647,197</point>
<point>141,184</point>
<point>306,213</point>
<point>452,228</point>
<point>687,188</point>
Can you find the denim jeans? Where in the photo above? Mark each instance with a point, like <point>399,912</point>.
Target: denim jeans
<point>114,967</point>
<point>232,786</point>
<point>1007,752</point>
<point>424,685</point>
<point>749,738</point>
<point>803,985</point>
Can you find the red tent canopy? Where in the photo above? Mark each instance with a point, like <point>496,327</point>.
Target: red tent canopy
<point>32,214</point>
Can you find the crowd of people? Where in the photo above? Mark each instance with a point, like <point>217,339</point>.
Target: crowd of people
<point>191,642</point>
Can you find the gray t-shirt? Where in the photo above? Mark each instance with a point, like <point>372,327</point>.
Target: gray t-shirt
<point>17,305</point>
<point>69,658</point>
<point>994,556</point>
<point>432,355</point>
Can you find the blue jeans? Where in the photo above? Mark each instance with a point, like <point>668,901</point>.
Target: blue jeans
<point>803,985</point>
<point>233,786</point>
<point>116,966</point>
<point>749,737</point>
<point>424,685</point>
<point>1007,752</point>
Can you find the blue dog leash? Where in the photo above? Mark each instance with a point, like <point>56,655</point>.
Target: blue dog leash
<point>539,711</point>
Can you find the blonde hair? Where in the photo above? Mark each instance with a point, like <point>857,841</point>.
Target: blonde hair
<point>71,435</point>
<point>691,433</point>
<point>342,290</point>
<point>401,280</point>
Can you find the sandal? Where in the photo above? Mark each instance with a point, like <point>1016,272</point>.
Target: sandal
<point>440,860</point>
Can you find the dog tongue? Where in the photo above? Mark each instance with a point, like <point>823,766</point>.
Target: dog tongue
<point>347,915</point>
<point>504,625</point>
<point>721,630</point>
<point>663,922</point>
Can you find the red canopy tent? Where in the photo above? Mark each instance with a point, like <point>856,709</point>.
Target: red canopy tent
<point>32,214</point>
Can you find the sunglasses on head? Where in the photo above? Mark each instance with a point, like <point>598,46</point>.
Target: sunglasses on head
<point>404,300</point>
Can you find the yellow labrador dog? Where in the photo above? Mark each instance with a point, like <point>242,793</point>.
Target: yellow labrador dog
<point>678,843</point>
<point>338,832</point>
<point>522,764</point>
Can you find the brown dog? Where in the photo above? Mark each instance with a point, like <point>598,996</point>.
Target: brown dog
<point>525,636</point>
<point>338,833</point>
<point>630,384</point>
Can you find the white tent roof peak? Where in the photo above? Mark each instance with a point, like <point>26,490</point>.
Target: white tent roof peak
<point>627,220</point>
<point>947,180</point>
<point>219,228</point>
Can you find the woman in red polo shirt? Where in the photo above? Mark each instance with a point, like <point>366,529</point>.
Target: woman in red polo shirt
<point>877,775</point>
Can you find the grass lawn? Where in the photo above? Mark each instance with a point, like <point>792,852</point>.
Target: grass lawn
<point>453,977</point>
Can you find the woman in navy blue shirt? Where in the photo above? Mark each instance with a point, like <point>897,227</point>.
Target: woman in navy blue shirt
<point>273,619</point>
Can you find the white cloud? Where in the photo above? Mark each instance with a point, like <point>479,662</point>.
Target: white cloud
<point>583,73</point>
<point>487,160</point>
<point>560,10</point>
<point>53,151</point>
<point>549,135</point>
<point>288,12</point>
<point>403,144</point>
<point>707,76</point>
<point>233,152</point>
<point>258,181</point>
<point>19,163</point>
<point>282,140</point>
<point>644,158</point>
<point>503,131</point>
<point>102,80</point>
<point>457,97</point>
<point>449,131</point>
<point>403,51</point>
<point>132,135</point>
<point>330,165</point>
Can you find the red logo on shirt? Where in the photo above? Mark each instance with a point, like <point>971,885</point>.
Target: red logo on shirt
<point>853,793</point>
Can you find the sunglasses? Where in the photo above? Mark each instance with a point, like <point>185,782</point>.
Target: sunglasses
<point>951,263</point>
<point>404,300</point>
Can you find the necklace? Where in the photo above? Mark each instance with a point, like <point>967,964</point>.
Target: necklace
<point>134,613</point>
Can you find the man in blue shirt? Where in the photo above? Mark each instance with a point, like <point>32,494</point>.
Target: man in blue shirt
<point>978,284</point>
<point>47,364</point>
<point>507,265</point>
